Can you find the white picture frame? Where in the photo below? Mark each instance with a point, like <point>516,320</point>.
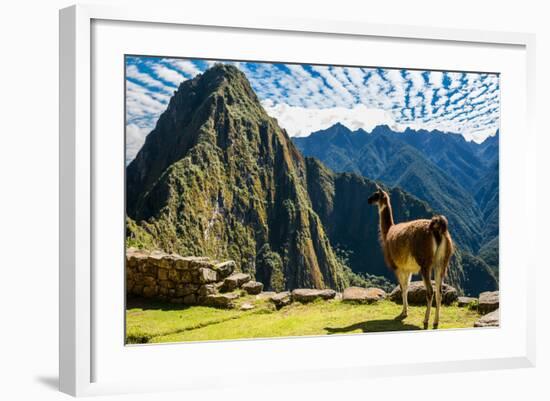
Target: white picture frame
<point>79,339</point>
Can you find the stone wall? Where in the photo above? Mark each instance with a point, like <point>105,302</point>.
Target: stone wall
<point>173,278</point>
<point>202,281</point>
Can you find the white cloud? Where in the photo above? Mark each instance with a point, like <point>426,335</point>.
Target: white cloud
<point>397,81</point>
<point>480,135</point>
<point>135,137</point>
<point>142,102</point>
<point>455,79</point>
<point>133,72</point>
<point>455,97</point>
<point>308,98</point>
<point>337,87</point>
<point>168,74</point>
<point>300,121</point>
<point>356,76</point>
<point>184,66</point>
<point>436,79</point>
<point>417,81</point>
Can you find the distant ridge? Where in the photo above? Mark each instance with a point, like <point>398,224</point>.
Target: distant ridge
<point>458,178</point>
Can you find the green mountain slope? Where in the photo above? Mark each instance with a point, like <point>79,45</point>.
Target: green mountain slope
<point>487,196</point>
<point>340,200</point>
<point>490,255</point>
<point>388,158</point>
<point>455,156</point>
<point>410,171</point>
<point>218,177</point>
<point>456,178</point>
<point>352,224</point>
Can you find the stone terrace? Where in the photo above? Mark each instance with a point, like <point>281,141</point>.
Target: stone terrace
<point>173,278</point>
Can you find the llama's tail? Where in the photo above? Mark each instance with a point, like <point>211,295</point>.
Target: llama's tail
<point>439,227</point>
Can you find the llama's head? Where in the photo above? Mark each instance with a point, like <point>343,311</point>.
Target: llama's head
<point>379,198</point>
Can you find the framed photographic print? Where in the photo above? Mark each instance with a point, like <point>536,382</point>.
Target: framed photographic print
<point>262,191</point>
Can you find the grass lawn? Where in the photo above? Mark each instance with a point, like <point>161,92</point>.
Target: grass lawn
<point>152,322</point>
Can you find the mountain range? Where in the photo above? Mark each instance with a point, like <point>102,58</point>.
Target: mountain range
<point>219,177</point>
<point>455,177</point>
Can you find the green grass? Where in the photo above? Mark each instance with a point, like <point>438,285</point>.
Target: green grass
<point>158,323</point>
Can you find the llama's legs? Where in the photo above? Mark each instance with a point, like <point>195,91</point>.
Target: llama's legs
<point>438,295</point>
<point>429,297</point>
<point>404,279</point>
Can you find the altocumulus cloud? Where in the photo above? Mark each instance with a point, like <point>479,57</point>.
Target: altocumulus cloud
<point>305,98</point>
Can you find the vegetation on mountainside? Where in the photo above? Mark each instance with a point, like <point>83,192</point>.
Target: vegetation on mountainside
<point>489,253</point>
<point>269,269</point>
<point>137,237</point>
<point>441,169</point>
<point>218,177</point>
<point>361,279</point>
<point>340,200</point>
<point>456,178</point>
<point>487,196</point>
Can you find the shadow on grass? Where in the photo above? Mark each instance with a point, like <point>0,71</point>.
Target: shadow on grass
<point>373,326</point>
<point>149,304</point>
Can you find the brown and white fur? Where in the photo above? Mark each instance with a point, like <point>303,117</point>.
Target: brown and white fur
<point>419,246</point>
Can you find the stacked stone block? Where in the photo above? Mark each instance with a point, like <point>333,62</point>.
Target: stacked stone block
<point>174,278</point>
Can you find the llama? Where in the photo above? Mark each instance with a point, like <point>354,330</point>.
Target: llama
<point>412,247</point>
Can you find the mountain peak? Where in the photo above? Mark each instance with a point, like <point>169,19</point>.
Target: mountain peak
<point>334,130</point>
<point>217,79</point>
<point>382,129</point>
<point>339,125</point>
<point>491,138</point>
<point>219,177</point>
<point>223,71</point>
<point>198,105</point>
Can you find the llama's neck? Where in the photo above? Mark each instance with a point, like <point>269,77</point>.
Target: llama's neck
<point>386,219</point>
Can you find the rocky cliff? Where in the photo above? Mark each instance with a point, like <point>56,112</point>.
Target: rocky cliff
<point>218,177</point>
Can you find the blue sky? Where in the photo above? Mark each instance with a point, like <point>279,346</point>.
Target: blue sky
<point>306,98</point>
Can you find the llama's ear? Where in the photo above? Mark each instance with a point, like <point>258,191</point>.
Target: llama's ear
<point>378,186</point>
